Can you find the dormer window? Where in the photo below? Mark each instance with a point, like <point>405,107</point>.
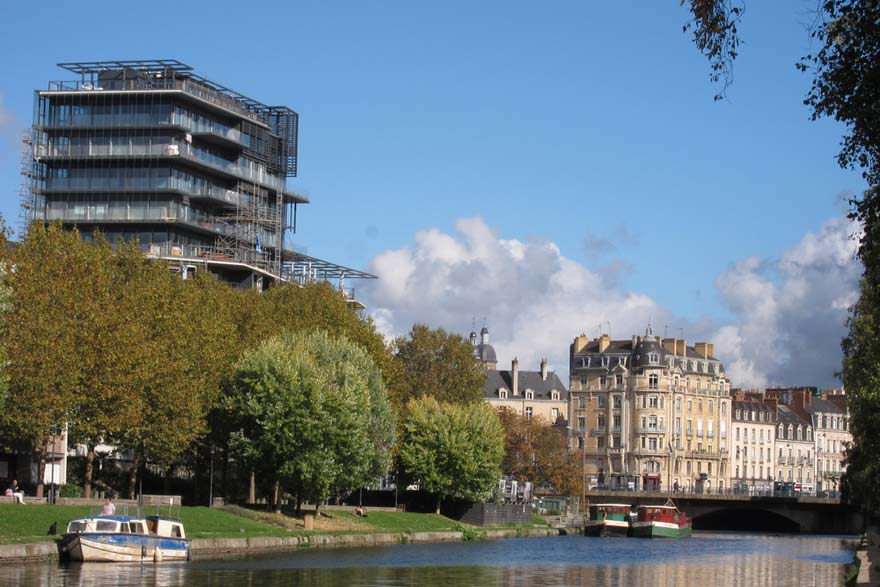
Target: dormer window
<point>554,395</point>
<point>502,394</point>
<point>585,361</point>
<point>605,361</point>
<point>621,361</point>
<point>781,433</point>
<point>530,394</point>
<point>800,433</point>
<point>693,365</point>
<point>653,358</point>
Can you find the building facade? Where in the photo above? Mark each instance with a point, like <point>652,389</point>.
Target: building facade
<point>534,394</point>
<point>195,171</point>
<point>650,413</point>
<point>753,425</point>
<point>830,420</point>
<point>795,446</point>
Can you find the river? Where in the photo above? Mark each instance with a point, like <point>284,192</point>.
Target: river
<point>706,559</point>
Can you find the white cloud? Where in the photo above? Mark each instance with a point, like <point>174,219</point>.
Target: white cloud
<point>534,298</point>
<point>789,313</point>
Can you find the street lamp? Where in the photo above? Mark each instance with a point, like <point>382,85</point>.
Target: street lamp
<point>211,481</point>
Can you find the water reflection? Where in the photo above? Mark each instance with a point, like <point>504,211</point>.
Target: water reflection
<point>706,559</point>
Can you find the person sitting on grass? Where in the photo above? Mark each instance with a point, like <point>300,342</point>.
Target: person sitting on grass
<point>359,511</point>
<point>15,492</point>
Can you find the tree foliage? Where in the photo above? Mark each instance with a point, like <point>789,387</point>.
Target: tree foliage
<point>714,27</point>
<point>452,450</point>
<point>534,451</point>
<point>314,414</point>
<point>438,364</point>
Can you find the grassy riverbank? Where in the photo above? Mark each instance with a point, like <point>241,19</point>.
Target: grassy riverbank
<point>30,523</point>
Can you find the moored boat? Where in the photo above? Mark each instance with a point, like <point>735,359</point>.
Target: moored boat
<point>125,539</point>
<point>608,519</point>
<point>661,521</point>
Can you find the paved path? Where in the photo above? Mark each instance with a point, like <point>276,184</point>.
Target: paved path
<point>869,571</point>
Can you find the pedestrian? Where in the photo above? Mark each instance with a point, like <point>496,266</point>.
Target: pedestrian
<point>15,491</point>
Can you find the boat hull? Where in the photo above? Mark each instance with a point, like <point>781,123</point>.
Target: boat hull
<point>660,530</point>
<point>98,547</point>
<point>607,528</point>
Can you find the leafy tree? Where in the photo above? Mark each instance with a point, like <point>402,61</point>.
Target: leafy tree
<point>438,364</point>
<point>314,414</point>
<point>453,450</point>
<point>535,451</point>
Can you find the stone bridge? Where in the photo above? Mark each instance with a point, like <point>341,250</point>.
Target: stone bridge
<point>750,513</point>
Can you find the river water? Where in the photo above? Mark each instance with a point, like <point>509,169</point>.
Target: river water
<point>706,559</point>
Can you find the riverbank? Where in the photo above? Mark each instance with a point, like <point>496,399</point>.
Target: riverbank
<point>220,532</point>
<point>869,558</point>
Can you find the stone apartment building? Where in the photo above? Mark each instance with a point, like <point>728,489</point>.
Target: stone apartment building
<point>650,413</point>
<point>753,426</point>
<point>830,420</point>
<point>539,394</point>
<point>795,446</point>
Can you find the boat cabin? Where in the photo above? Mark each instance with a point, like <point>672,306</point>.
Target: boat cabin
<point>165,527</point>
<point>109,524</point>
<point>600,511</point>
<point>152,525</point>
<point>661,513</point>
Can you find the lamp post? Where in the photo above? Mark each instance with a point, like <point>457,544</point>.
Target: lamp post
<point>211,481</point>
<point>54,431</point>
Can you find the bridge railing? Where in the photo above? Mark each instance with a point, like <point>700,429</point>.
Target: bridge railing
<point>740,491</point>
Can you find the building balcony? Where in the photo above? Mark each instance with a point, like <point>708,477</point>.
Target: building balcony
<point>650,430</point>
<point>171,151</point>
<point>203,94</point>
<point>597,431</point>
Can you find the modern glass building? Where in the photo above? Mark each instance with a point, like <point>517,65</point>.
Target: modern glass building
<point>195,171</point>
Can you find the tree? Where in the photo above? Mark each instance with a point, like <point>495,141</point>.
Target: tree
<point>314,414</point>
<point>453,450</point>
<point>438,364</point>
<point>535,451</point>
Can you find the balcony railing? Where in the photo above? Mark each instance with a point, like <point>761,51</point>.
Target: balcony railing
<point>651,430</point>
<point>597,431</point>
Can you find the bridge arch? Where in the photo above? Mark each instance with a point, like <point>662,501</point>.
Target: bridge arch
<point>744,520</point>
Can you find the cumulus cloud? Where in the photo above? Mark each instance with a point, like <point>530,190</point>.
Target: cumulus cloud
<point>535,299</point>
<point>790,313</point>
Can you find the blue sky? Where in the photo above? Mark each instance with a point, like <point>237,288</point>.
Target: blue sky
<point>587,125</point>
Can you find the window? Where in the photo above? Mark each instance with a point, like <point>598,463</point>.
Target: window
<point>605,361</point>
<point>800,433</point>
<point>600,421</point>
<point>580,442</point>
<point>616,420</point>
<point>175,531</point>
<point>530,394</point>
<point>582,402</point>
<point>653,381</point>
<point>737,433</point>
<point>617,402</point>
<point>554,414</point>
<point>690,406</point>
<point>601,399</point>
<point>738,414</point>
<point>502,393</point>
<point>653,358</point>
<point>582,422</point>
<point>529,412</point>
<point>618,380</point>
<point>600,442</point>
<point>652,401</point>
<point>583,379</point>
<point>602,381</point>
<point>105,526</point>
<point>809,434</point>
<point>678,404</point>
<point>652,422</point>
<point>554,395</point>
<point>585,361</point>
<point>652,444</point>
<point>723,409</point>
<point>700,406</point>
<point>678,425</point>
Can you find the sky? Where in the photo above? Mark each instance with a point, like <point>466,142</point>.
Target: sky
<point>553,168</point>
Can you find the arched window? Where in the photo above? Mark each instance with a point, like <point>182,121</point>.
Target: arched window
<point>781,433</point>
<point>502,393</point>
<point>554,395</point>
<point>809,433</point>
<point>800,433</point>
<point>790,431</point>
<point>530,394</point>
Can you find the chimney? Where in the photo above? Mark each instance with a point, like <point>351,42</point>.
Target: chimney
<point>514,375</point>
<point>710,348</point>
<point>670,345</point>
<point>681,346</point>
<point>544,369</point>
<point>604,342</point>
<point>702,348</point>
<point>580,343</point>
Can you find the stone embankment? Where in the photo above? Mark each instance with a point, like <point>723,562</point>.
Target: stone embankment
<point>207,548</point>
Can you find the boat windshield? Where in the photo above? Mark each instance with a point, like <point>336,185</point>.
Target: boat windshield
<point>77,526</point>
<point>105,526</point>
